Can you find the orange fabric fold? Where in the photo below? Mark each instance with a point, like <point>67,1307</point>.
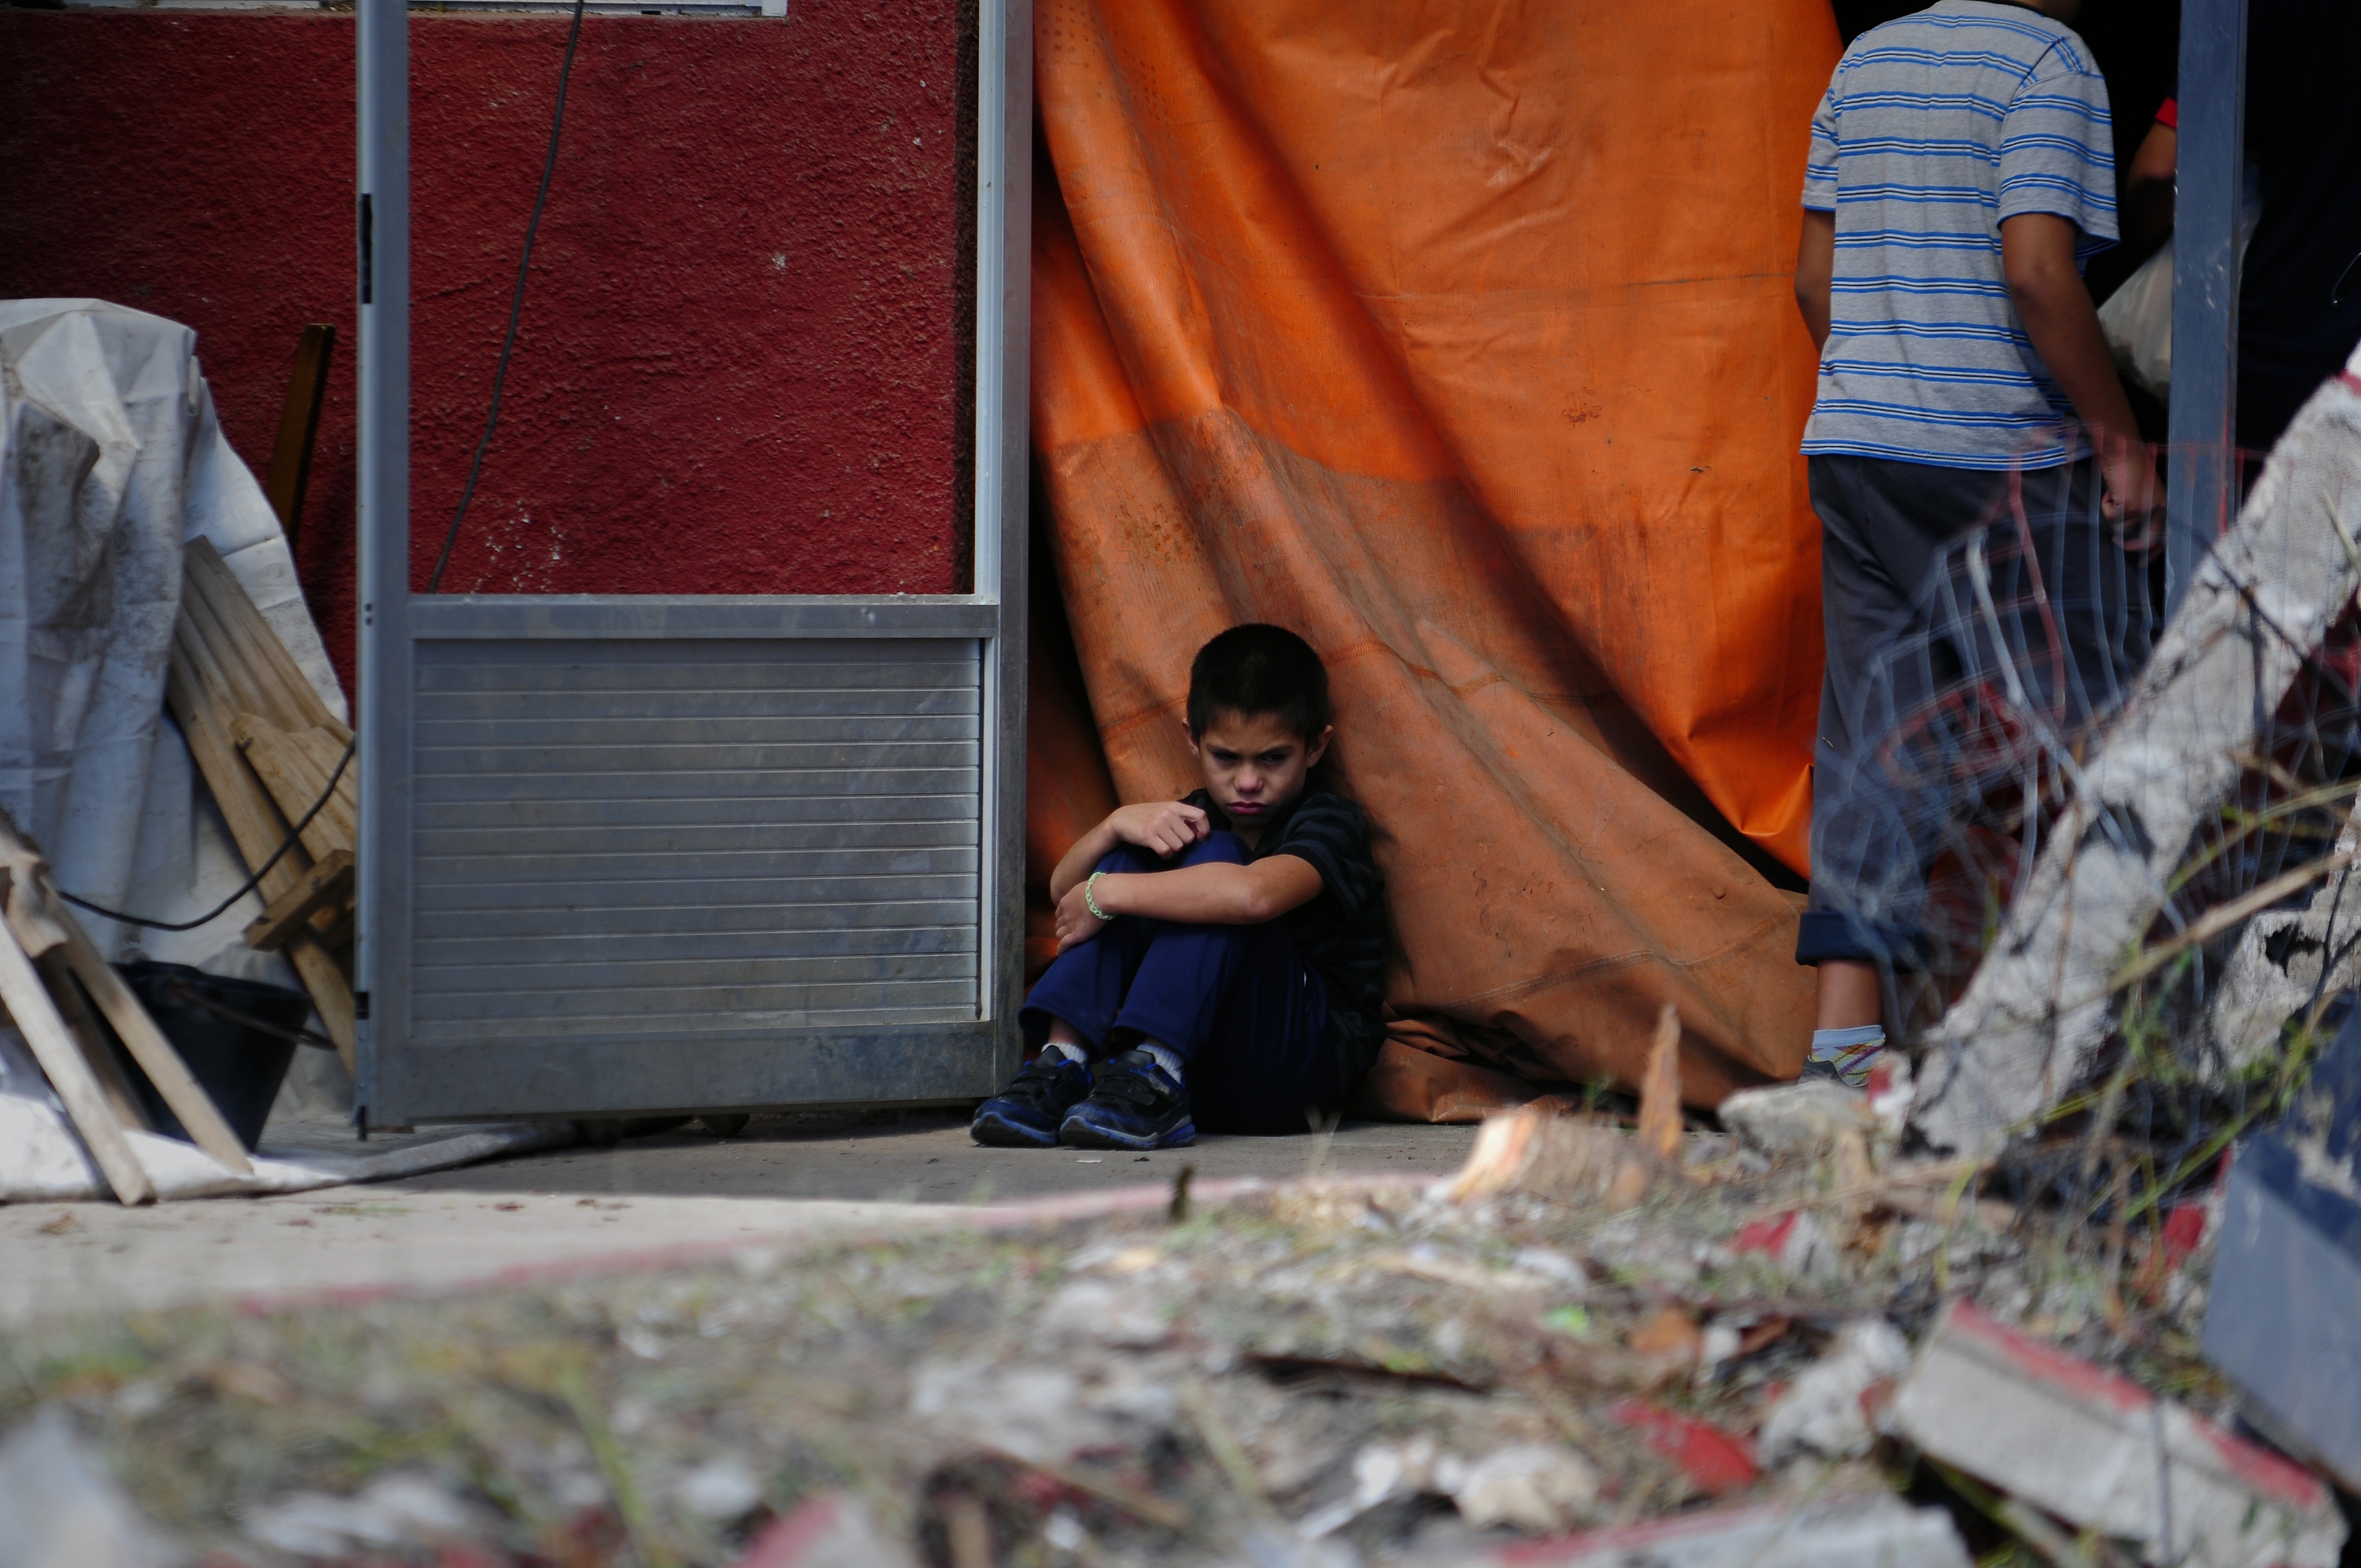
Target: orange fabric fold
<point>1458,337</point>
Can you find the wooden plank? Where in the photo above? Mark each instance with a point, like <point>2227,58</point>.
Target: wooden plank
<point>298,427</point>
<point>113,1084</point>
<point>76,957</point>
<point>329,882</point>
<point>249,637</point>
<point>244,680</point>
<point>154,1052</point>
<point>332,994</point>
<point>37,1018</point>
<point>297,784</point>
<point>255,826</point>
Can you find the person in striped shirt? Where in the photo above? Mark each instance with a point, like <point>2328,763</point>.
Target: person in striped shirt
<point>1961,170</point>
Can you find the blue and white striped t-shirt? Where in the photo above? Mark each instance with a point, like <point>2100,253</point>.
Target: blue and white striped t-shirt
<point>1935,129</point>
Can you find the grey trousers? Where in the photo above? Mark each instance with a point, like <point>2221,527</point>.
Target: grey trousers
<point>1918,707</point>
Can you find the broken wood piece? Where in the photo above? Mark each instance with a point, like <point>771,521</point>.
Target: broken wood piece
<point>299,425</point>
<point>37,1018</point>
<point>1540,1150</point>
<point>329,882</point>
<point>36,929</point>
<point>1660,1090</point>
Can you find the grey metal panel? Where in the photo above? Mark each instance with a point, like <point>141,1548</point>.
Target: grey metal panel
<point>752,810</point>
<point>906,1061</point>
<point>381,59</point>
<point>731,947</point>
<point>575,618</point>
<point>666,1039</point>
<point>734,838</point>
<point>899,783</point>
<point>775,728</point>
<point>1002,477</point>
<point>585,919</point>
<point>870,918</point>
<point>2202,472</point>
<point>628,704</point>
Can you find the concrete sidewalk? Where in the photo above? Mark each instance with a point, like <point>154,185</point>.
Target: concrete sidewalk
<point>787,1182</point>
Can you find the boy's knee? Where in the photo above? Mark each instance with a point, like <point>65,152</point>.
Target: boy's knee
<point>1217,846</point>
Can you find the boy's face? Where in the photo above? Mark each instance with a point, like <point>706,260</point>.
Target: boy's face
<point>1253,765</point>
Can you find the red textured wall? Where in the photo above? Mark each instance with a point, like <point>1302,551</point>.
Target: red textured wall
<point>740,364</point>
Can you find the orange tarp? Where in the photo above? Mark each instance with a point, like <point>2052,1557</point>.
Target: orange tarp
<point>1459,338</point>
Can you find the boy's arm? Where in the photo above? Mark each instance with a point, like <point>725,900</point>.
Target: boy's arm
<point>1815,269</point>
<point>1214,894</point>
<point>2038,260</point>
<point>1165,827</point>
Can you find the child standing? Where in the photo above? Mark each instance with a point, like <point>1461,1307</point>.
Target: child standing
<point>1221,958</point>
<point>1961,170</point>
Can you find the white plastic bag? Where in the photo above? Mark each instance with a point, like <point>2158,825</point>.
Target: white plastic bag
<point>2137,317</point>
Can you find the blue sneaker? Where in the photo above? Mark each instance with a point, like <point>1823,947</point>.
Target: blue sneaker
<point>1137,1106</point>
<point>1026,1114</point>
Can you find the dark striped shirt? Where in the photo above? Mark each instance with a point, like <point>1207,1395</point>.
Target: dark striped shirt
<point>1935,129</point>
<point>1341,933</point>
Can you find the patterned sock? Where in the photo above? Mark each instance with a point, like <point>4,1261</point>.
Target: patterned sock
<point>1072,1053</point>
<point>1166,1057</point>
<point>1852,1052</point>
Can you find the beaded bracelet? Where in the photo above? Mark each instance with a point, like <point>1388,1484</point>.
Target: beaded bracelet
<point>1091,903</point>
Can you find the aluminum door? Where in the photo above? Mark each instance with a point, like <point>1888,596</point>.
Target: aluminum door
<point>631,854</point>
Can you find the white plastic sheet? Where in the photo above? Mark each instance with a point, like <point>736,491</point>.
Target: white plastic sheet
<point>111,460</point>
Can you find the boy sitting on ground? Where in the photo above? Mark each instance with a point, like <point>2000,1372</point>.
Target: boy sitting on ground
<point>1220,957</point>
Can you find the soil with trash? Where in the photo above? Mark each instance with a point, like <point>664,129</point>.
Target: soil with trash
<point>1591,1332</point>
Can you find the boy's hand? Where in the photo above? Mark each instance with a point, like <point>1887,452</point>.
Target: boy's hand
<point>1076,924</point>
<point>1165,827</point>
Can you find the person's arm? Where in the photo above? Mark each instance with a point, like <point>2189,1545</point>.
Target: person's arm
<point>1815,269</point>
<point>2147,188</point>
<point>2038,260</point>
<point>1214,894</point>
<point>1165,827</point>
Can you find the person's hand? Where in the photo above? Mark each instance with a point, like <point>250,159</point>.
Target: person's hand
<point>1076,924</point>
<point>2130,497</point>
<point>1164,827</point>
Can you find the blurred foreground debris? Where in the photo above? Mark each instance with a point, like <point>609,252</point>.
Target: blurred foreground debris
<point>1593,1346</point>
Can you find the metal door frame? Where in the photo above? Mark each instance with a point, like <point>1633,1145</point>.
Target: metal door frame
<point>905,1063</point>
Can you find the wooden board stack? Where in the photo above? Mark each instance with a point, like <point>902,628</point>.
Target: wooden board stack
<point>56,986</point>
<point>269,746</point>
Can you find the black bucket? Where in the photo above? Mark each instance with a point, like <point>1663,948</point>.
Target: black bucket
<point>239,1064</point>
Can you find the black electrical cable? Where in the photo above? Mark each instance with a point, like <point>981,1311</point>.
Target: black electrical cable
<point>250,883</point>
<point>516,305</point>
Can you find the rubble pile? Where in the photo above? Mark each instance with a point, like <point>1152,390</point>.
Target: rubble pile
<point>1696,1351</point>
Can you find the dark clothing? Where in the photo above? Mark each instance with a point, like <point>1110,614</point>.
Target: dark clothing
<point>1916,706</point>
<point>1342,933</point>
<point>2295,330</point>
<point>1239,1005</point>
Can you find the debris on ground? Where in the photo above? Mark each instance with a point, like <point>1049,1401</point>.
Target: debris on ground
<point>1738,1360</point>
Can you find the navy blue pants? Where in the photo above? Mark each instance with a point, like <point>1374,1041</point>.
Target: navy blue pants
<point>1237,1003</point>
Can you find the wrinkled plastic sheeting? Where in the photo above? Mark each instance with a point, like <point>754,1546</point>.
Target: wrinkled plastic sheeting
<point>111,460</point>
<point>1460,338</point>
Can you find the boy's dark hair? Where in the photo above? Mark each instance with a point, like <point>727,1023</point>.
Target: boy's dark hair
<point>1256,669</point>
